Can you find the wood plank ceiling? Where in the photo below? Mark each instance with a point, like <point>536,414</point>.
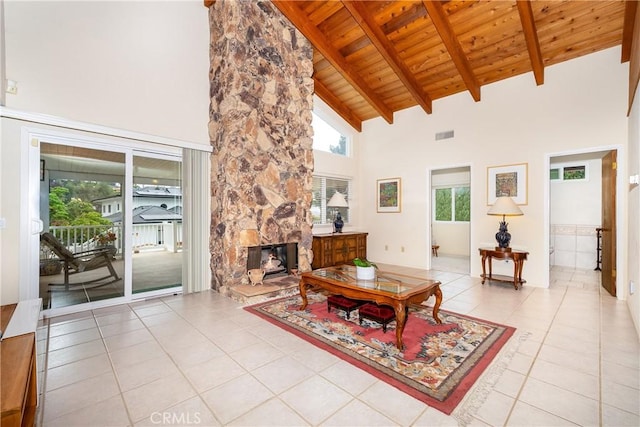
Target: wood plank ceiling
<point>373,58</point>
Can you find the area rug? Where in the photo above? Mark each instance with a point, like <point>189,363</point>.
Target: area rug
<point>438,365</point>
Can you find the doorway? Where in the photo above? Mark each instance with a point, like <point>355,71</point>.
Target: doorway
<point>580,193</point>
<point>451,219</point>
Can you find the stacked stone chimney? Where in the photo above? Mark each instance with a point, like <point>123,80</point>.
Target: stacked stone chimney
<point>260,129</point>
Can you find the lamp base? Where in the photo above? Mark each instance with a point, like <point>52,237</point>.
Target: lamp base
<point>499,249</point>
<point>338,224</point>
<point>503,237</point>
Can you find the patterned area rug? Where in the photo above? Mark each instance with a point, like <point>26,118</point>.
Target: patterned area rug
<point>438,365</point>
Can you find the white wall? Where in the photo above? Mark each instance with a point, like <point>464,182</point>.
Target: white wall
<point>581,104</point>
<point>141,66</point>
<point>134,66</point>
<point>580,201</point>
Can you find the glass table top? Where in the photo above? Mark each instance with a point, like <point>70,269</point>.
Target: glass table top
<point>383,281</point>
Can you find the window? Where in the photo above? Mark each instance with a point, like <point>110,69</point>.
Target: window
<point>574,172</point>
<point>326,138</point>
<point>569,172</point>
<point>452,204</point>
<point>323,188</point>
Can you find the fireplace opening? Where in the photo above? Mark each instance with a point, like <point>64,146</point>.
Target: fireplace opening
<point>276,260</point>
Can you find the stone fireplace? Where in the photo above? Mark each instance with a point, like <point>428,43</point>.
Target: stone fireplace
<point>260,130</point>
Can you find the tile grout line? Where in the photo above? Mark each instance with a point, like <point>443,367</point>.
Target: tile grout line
<point>45,368</point>
<point>600,403</point>
<point>175,363</point>
<point>113,369</point>
<point>527,376</point>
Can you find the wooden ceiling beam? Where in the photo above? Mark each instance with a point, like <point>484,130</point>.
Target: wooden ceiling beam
<point>338,106</point>
<point>451,42</point>
<point>633,15</point>
<point>531,37</point>
<point>291,11</point>
<point>627,29</point>
<point>377,37</point>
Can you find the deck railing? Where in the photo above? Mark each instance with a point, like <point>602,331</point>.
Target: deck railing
<point>166,236</point>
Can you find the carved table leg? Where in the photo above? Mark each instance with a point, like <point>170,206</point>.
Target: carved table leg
<point>436,307</point>
<point>401,320</point>
<point>520,265</point>
<point>484,272</point>
<point>303,294</point>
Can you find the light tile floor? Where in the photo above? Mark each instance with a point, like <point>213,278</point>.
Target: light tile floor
<point>201,360</point>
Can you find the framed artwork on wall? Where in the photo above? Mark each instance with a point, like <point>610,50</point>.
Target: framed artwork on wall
<point>389,195</point>
<point>507,180</point>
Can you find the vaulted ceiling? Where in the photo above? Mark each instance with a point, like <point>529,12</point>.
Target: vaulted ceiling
<point>373,58</point>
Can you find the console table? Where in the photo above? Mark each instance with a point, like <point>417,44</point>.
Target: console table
<point>518,258</point>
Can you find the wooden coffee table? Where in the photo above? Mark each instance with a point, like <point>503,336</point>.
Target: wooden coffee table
<point>391,289</point>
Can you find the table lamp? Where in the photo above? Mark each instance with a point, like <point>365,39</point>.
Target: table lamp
<point>337,201</point>
<point>504,206</point>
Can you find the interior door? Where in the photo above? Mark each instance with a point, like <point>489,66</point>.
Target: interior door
<point>609,167</point>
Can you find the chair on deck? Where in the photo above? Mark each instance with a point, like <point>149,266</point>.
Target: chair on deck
<point>79,262</point>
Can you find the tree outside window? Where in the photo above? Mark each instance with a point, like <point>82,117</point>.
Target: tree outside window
<point>452,204</point>
<point>326,138</point>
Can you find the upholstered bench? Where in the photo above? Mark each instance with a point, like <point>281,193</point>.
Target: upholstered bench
<point>343,303</point>
<point>378,313</point>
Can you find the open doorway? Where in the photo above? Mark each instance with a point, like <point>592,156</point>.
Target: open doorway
<point>580,202</point>
<point>451,219</point>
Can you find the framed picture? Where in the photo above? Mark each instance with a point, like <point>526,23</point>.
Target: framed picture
<point>389,195</point>
<point>507,180</point>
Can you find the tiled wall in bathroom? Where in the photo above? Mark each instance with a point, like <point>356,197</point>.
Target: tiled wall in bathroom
<point>573,245</point>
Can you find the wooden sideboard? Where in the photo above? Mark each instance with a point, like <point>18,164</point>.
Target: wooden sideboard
<point>18,389</point>
<point>338,248</point>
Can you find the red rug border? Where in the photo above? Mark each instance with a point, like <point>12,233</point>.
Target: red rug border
<point>449,404</point>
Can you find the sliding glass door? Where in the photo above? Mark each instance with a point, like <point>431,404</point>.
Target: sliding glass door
<point>82,246</point>
<point>156,228</point>
<point>112,224</point>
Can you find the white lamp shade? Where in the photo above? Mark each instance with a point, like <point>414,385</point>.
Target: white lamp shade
<point>337,201</point>
<point>504,206</point>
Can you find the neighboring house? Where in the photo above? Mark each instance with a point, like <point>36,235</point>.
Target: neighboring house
<point>149,215</point>
<point>169,198</point>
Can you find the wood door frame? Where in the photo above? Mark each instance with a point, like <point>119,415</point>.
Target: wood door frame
<point>620,225</point>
